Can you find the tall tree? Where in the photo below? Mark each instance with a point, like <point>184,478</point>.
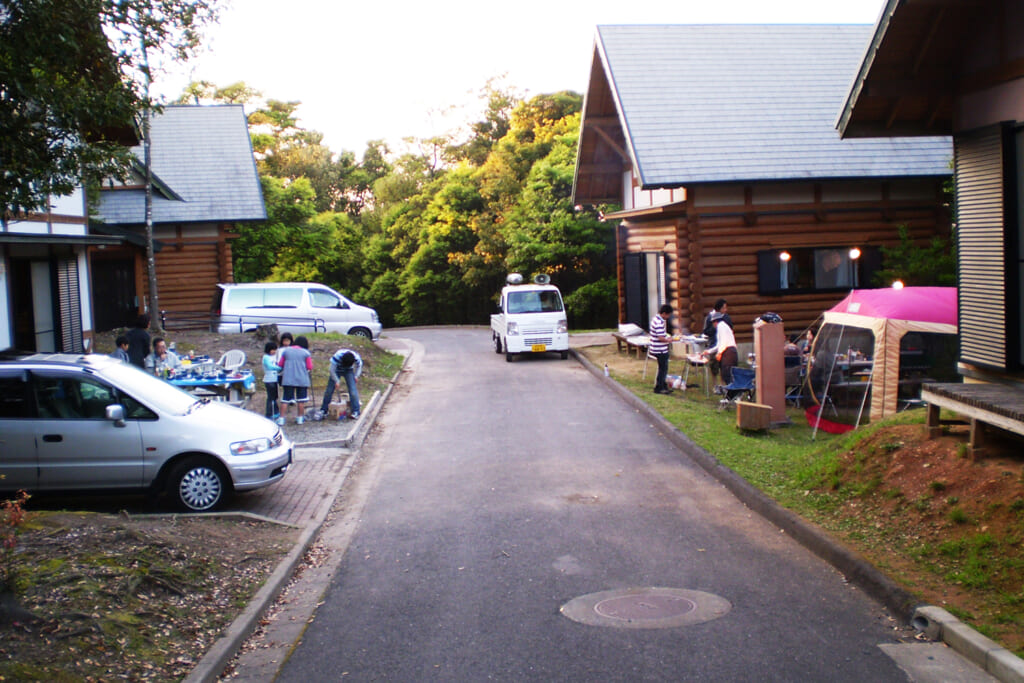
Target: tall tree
<point>65,111</point>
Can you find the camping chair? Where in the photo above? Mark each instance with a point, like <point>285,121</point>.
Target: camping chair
<point>794,373</point>
<point>739,389</point>
<point>232,360</point>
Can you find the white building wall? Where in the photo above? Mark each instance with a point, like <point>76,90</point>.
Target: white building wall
<point>6,324</point>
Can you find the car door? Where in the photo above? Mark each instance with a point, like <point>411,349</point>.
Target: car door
<point>76,446</point>
<point>332,308</point>
<point>18,467</point>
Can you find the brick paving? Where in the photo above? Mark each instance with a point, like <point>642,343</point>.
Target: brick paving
<point>312,481</point>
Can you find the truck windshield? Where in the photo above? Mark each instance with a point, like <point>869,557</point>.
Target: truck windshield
<point>534,302</point>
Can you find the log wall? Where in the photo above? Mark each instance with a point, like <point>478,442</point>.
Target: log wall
<point>713,250</point>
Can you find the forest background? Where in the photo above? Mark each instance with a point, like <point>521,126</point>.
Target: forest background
<point>428,235</point>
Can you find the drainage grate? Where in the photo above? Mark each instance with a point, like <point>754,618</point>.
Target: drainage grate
<point>646,608</point>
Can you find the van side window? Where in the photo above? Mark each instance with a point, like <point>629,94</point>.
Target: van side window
<point>322,298</point>
<point>246,298</point>
<point>275,297</point>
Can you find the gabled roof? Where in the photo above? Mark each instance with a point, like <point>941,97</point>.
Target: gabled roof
<point>203,159</point>
<point>691,104</point>
<point>922,56</point>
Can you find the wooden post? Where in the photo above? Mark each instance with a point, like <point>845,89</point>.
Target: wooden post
<point>932,424</point>
<point>770,377</point>
<point>976,447</point>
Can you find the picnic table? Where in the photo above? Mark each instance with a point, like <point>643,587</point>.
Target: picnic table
<point>204,380</point>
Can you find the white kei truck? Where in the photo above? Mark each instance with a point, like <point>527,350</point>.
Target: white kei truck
<point>530,319</point>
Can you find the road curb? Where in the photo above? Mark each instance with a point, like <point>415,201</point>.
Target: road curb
<point>212,664</point>
<point>935,622</point>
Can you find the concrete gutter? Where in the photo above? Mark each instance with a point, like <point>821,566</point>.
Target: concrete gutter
<point>227,646</point>
<point>935,622</point>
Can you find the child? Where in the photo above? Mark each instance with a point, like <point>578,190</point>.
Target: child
<point>296,365</point>
<point>270,378</point>
<point>121,352</point>
<point>286,340</point>
<point>346,364</point>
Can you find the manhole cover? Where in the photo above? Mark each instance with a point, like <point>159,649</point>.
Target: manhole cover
<point>646,608</point>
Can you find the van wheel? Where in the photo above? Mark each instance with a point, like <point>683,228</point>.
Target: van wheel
<point>497,344</point>
<point>361,332</point>
<point>508,357</point>
<point>565,355</point>
<point>198,484</point>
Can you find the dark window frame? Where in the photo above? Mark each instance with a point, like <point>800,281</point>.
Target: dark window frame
<point>803,269</point>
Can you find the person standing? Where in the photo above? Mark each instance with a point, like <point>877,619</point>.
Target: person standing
<point>138,341</point>
<point>721,306</point>
<point>660,341</point>
<point>296,365</point>
<point>725,350</point>
<point>344,363</point>
<point>270,370</point>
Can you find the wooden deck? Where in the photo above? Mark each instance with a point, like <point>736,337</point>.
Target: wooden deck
<point>985,404</point>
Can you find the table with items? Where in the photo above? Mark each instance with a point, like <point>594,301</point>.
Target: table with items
<point>203,378</point>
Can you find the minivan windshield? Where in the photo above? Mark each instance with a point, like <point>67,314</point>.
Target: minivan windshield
<point>149,390</point>
<point>546,301</point>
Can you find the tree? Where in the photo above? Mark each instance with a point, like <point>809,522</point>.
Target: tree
<point>932,264</point>
<point>65,111</point>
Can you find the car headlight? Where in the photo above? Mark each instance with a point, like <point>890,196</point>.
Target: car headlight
<point>251,447</point>
<point>512,329</point>
<point>563,326</point>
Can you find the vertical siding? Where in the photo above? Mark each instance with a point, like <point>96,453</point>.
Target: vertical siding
<point>982,315</point>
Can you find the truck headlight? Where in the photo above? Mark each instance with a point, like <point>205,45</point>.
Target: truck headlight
<point>251,447</point>
<point>512,329</point>
<point>562,327</point>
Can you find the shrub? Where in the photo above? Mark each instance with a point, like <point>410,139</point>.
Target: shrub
<point>12,518</point>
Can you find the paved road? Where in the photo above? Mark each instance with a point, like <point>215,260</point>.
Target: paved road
<point>498,492</point>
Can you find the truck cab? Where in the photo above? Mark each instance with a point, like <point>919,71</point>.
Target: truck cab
<point>531,319</point>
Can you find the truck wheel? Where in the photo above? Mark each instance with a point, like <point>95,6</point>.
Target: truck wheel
<point>497,344</point>
<point>565,355</point>
<point>508,357</point>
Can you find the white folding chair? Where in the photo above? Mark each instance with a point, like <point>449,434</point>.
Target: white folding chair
<point>648,357</point>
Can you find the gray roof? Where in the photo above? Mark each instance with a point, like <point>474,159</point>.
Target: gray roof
<point>720,103</point>
<point>204,156</point>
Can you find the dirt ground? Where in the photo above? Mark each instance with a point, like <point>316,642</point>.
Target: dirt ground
<point>114,597</point>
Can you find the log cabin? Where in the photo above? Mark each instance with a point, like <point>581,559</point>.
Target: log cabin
<point>204,182</point>
<point>957,68</point>
<point>719,144</point>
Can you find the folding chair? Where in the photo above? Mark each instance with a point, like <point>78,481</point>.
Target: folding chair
<point>740,388</point>
<point>794,373</point>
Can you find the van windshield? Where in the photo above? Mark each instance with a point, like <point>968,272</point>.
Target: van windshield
<point>547,301</point>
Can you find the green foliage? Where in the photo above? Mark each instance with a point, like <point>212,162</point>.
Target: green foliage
<point>427,237</point>
<point>933,264</point>
<point>593,304</point>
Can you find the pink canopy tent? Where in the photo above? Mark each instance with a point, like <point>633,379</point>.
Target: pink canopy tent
<point>890,314</point>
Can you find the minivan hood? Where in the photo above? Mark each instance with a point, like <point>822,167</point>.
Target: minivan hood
<point>229,420</point>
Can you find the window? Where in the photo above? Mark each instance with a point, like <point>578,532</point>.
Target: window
<point>323,298</point>
<point>816,269</point>
<point>534,302</point>
<point>282,298</point>
<point>13,398</point>
<point>74,397</point>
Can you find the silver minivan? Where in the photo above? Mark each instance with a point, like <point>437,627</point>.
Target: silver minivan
<point>296,307</point>
<point>90,422</point>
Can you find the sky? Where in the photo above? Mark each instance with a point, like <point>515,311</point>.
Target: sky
<point>390,70</point>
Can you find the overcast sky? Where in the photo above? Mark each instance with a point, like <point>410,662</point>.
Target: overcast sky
<point>386,69</point>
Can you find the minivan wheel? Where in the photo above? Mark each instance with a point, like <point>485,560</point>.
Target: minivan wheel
<point>497,344</point>
<point>197,484</point>
<point>361,332</point>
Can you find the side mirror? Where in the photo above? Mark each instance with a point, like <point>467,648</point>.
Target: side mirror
<point>115,413</point>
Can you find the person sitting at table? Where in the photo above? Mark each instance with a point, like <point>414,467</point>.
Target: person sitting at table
<point>724,351</point>
<point>806,343</point>
<point>824,369</point>
<point>162,359</point>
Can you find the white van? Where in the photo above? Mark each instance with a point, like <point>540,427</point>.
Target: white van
<point>296,307</point>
